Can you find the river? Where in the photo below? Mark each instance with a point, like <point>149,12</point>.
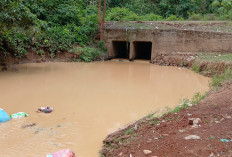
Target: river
<point>90,100</point>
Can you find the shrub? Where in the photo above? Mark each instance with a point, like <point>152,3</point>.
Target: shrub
<point>88,54</point>
<point>121,14</point>
<point>195,17</point>
<point>152,17</point>
<point>57,39</point>
<point>209,17</point>
<point>174,18</point>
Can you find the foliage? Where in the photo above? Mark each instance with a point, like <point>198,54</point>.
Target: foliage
<point>53,25</point>
<point>218,79</point>
<point>87,54</point>
<point>152,17</point>
<point>197,98</point>
<point>174,18</point>
<point>121,14</point>
<point>195,68</point>
<point>196,9</point>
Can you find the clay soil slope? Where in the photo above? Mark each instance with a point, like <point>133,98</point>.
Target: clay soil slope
<point>165,137</point>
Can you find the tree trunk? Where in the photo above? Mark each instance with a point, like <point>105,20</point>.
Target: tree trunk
<point>103,21</point>
<point>99,12</point>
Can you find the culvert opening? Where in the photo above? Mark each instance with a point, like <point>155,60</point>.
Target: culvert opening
<point>142,50</point>
<point>121,49</point>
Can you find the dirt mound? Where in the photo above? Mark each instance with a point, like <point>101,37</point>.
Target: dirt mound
<point>168,136</point>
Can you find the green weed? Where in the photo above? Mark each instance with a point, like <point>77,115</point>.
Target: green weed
<point>197,98</point>
<point>129,131</point>
<point>154,122</point>
<point>195,68</point>
<point>218,79</point>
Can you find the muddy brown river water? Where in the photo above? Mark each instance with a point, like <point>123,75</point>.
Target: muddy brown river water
<point>90,100</point>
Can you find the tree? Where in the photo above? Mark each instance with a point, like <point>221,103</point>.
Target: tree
<point>101,21</point>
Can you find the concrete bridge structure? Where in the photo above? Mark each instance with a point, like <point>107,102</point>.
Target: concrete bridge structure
<point>143,40</point>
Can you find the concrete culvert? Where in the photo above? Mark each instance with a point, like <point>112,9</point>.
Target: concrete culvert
<point>121,49</point>
<point>142,50</point>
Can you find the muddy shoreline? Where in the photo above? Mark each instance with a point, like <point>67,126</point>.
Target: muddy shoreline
<point>165,136</point>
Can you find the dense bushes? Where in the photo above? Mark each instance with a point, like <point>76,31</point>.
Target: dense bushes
<point>124,14</point>
<point>53,26</point>
<point>182,9</point>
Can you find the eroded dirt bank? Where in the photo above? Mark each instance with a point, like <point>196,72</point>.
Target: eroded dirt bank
<point>166,136</point>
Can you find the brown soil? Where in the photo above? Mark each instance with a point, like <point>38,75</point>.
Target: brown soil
<point>185,59</point>
<point>7,61</point>
<point>166,137</point>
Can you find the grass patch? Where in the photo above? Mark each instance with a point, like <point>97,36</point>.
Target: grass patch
<point>218,79</point>
<point>129,131</point>
<point>214,57</point>
<point>154,122</point>
<point>197,98</point>
<point>195,68</point>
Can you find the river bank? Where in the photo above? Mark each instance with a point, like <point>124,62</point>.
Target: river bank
<point>168,135</point>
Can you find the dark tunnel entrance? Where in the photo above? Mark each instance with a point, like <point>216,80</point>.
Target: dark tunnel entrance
<point>142,50</point>
<point>121,49</point>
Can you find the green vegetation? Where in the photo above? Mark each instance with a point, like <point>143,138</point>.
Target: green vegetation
<point>213,57</point>
<point>129,131</point>
<point>195,67</point>
<point>54,26</point>
<point>218,79</point>
<point>154,10</point>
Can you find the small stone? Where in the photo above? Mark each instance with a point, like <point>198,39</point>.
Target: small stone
<point>147,152</point>
<point>211,155</point>
<point>181,130</point>
<point>189,114</point>
<point>131,155</point>
<point>194,121</point>
<point>192,137</point>
<point>190,105</point>
<point>135,127</point>
<point>217,122</point>
<point>120,154</point>
<point>228,117</point>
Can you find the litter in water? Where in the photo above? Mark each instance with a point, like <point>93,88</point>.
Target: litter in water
<point>62,153</point>
<point>45,109</point>
<point>4,117</point>
<point>19,115</point>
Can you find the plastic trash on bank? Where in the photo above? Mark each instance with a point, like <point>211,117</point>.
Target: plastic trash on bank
<point>19,115</point>
<point>62,153</point>
<point>4,117</point>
